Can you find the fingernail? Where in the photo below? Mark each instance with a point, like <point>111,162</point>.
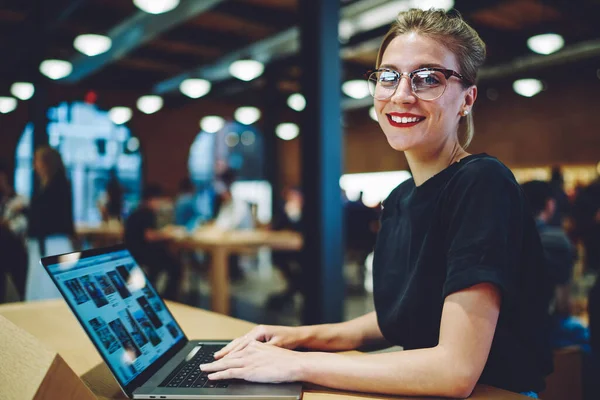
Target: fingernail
<point>203,365</point>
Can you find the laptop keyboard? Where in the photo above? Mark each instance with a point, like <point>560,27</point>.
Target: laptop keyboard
<point>188,374</point>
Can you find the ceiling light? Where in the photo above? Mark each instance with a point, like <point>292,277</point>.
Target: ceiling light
<point>357,89</point>
<point>212,123</point>
<point>296,102</point>
<point>120,115</point>
<point>22,90</point>
<point>287,131</point>
<point>427,4</point>
<point>149,104</point>
<point>56,69</point>
<point>547,43</point>
<point>527,87</point>
<point>156,6</point>
<point>92,45</point>
<point>7,104</point>
<point>373,113</point>
<point>195,88</point>
<point>246,70</point>
<point>247,115</point>
<point>345,30</point>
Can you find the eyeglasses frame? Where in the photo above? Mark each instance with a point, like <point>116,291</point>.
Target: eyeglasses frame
<point>446,72</point>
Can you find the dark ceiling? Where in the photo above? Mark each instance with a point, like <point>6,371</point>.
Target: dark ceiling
<point>198,42</point>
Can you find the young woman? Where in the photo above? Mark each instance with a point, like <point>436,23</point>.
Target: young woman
<point>457,260</point>
<point>51,227</point>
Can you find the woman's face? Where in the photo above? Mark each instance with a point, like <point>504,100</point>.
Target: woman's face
<point>437,119</point>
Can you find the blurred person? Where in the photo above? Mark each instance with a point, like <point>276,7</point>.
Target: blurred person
<point>13,226</point>
<point>233,213</point>
<point>561,199</point>
<point>560,256</point>
<point>14,261</point>
<point>288,216</point>
<point>586,218</point>
<point>50,221</point>
<point>13,207</point>
<point>458,257</point>
<point>111,203</point>
<point>186,213</point>
<point>148,245</point>
<point>592,385</point>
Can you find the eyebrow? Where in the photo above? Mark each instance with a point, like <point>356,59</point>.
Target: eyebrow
<point>429,65</point>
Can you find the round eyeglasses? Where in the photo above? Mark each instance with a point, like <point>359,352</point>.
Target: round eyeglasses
<point>426,83</point>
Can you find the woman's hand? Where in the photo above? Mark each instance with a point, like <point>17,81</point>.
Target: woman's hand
<point>280,336</point>
<point>258,362</point>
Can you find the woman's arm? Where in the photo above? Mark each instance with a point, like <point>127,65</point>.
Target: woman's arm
<point>450,369</point>
<point>347,335</point>
<point>329,337</point>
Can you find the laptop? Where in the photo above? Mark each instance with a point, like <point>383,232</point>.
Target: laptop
<point>136,334</point>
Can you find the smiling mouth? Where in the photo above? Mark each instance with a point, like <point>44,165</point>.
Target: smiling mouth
<point>403,122</point>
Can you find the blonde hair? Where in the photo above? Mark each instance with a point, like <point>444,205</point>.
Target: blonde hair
<point>53,163</point>
<point>450,30</point>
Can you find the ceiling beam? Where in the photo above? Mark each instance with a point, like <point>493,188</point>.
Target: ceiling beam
<point>278,46</point>
<point>134,32</point>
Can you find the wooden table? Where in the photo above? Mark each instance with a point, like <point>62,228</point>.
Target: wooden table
<point>220,245</point>
<point>100,235</point>
<point>55,326</point>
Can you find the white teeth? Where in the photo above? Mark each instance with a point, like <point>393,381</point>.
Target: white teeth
<point>403,120</point>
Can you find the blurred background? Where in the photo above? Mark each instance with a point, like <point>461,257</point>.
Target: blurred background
<point>194,103</point>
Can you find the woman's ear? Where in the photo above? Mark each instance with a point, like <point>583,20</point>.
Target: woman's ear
<point>470,97</point>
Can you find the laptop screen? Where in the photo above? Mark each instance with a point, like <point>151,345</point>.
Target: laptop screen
<point>121,311</point>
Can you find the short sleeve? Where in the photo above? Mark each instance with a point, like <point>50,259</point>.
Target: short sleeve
<point>484,216</point>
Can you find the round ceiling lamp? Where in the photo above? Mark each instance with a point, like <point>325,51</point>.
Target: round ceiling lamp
<point>246,70</point>
<point>7,104</point>
<point>247,115</point>
<point>373,114</point>
<point>357,89</point>
<point>92,45</point>
<point>56,69</point>
<point>527,87</point>
<point>287,131</point>
<point>195,88</point>
<point>212,123</point>
<point>149,104</point>
<point>547,43</point>
<point>296,102</point>
<point>428,4</point>
<point>22,90</point>
<point>120,115</point>
<point>156,6</point>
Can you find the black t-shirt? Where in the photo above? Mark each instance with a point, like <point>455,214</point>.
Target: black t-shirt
<point>51,210</point>
<point>468,224</point>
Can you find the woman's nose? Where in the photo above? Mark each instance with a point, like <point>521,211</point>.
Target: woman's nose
<point>404,93</point>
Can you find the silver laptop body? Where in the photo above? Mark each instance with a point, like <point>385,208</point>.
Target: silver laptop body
<point>137,336</point>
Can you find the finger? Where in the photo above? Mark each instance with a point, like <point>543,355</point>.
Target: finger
<point>227,348</point>
<point>222,365</point>
<point>234,373</point>
<point>236,345</point>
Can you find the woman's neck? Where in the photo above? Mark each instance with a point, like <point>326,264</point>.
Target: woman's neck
<point>425,164</point>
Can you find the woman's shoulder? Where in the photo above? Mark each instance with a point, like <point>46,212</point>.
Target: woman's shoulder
<point>402,190</point>
<point>484,170</point>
